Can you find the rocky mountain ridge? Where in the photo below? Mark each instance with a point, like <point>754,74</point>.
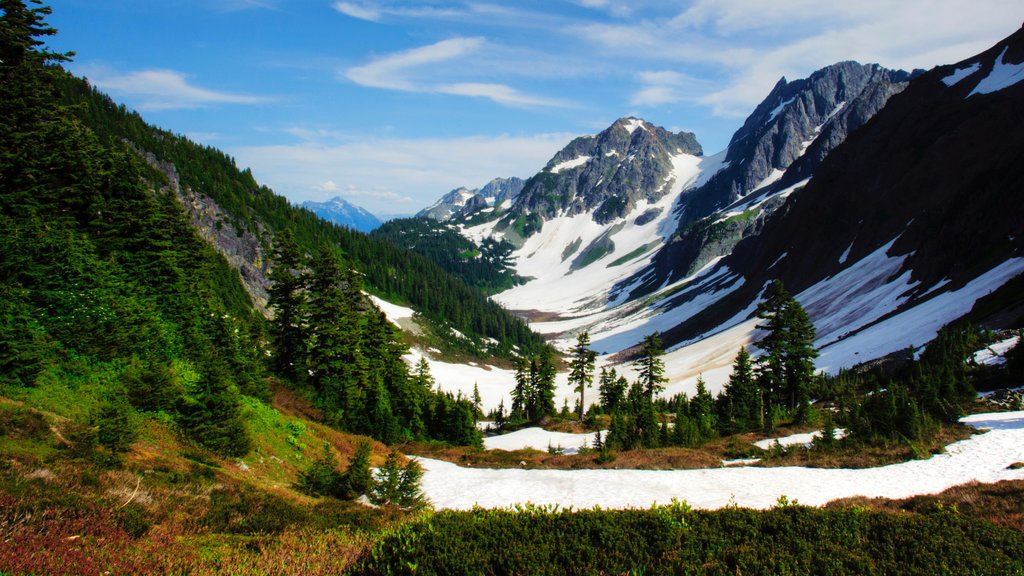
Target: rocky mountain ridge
<point>463,202</point>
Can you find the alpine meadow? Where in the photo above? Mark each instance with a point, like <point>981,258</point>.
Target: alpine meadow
<point>606,350</point>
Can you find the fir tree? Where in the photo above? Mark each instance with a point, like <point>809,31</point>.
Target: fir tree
<point>581,368</point>
<point>322,477</point>
<point>287,299</point>
<point>398,485</point>
<point>786,370</point>
<point>650,366</point>
<point>358,478</point>
<point>612,389</point>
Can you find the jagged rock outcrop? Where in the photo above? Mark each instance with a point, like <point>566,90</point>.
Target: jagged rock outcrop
<point>241,248</point>
<point>783,126</point>
<point>935,176</point>
<point>462,202</point>
<point>780,145</point>
<point>607,174</point>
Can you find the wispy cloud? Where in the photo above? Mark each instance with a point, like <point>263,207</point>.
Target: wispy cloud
<point>166,90</point>
<point>359,11</point>
<point>384,171</point>
<point>397,71</point>
<point>745,46</point>
<point>658,87</point>
<point>415,70</point>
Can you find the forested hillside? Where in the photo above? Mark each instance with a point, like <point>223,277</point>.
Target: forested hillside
<point>391,272</point>
<point>487,267</point>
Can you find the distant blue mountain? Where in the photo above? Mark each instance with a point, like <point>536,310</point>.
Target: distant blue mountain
<point>344,213</point>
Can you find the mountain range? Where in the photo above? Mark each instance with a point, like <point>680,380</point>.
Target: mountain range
<point>887,201</point>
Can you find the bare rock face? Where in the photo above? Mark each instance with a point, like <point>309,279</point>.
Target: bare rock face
<point>463,202</point>
<point>780,145</point>
<point>607,174</point>
<point>243,250</point>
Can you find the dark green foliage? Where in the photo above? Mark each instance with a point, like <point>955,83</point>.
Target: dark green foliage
<point>650,367</point>
<point>674,540</point>
<point>390,271</point>
<point>739,405</point>
<point>358,479</point>
<point>581,368</point>
<point>786,371</point>
<point>486,267</point>
<point>533,397</point>
<point>151,385</point>
<point>116,425</point>
<point>322,477</point>
<point>1015,362</point>
<point>612,389</point>
<point>103,276</point>
<point>211,414</point>
<point>397,485</point>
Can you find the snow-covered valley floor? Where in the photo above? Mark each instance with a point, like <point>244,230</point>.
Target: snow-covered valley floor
<point>983,458</point>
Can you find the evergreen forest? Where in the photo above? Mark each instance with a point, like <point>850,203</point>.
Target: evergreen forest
<point>154,421</point>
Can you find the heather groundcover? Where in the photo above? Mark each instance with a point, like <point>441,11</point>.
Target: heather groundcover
<point>676,540</point>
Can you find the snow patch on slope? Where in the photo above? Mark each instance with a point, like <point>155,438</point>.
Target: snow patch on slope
<point>981,458</point>
<point>555,287</point>
<point>540,439</point>
<point>916,326</point>
<point>570,164</point>
<point>961,73</point>
<point>1003,75</point>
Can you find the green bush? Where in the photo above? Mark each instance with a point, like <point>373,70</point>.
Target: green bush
<point>674,540</point>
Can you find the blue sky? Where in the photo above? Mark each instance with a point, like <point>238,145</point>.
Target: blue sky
<point>390,104</point>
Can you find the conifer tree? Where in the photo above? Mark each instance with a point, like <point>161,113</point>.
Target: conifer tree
<point>358,478</point>
<point>544,385</point>
<point>211,415</point>
<point>650,366</point>
<point>786,370</point>
<point>612,389</point>
<point>287,299</point>
<point>581,368</point>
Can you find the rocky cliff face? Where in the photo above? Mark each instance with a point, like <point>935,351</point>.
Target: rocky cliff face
<point>243,250</point>
<point>932,182</point>
<point>607,174</point>
<point>779,147</point>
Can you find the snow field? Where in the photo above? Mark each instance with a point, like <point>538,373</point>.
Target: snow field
<point>555,286</point>
<point>805,439</point>
<point>983,458</point>
<point>540,439</point>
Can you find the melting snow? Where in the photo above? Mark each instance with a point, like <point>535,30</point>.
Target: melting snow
<point>775,112</point>
<point>540,439</point>
<point>916,326</point>
<point>633,124</point>
<point>846,254</point>
<point>994,355</point>
<point>804,439</point>
<point>982,458</point>
<point>1002,76</point>
<point>961,73</point>
<point>570,164</point>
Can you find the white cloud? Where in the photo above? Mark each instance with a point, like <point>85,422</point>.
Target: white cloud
<point>165,90</point>
<point>745,46</point>
<point>359,11</point>
<point>405,71</point>
<point>499,93</point>
<point>660,87</point>
<point>397,71</point>
<point>385,171</point>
